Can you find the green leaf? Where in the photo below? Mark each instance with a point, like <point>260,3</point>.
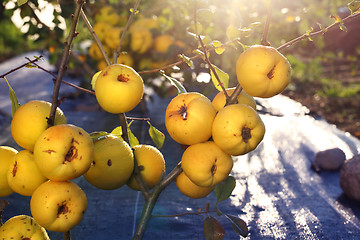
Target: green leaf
<point>132,138</point>
<point>223,77</point>
<point>239,225</point>
<point>93,80</point>
<point>14,101</point>
<point>308,32</point>
<point>219,48</point>
<point>225,188</point>
<point>175,83</point>
<point>117,131</point>
<point>195,29</point>
<point>97,136</point>
<point>187,60</point>
<point>21,2</point>
<point>232,32</point>
<point>340,21</point>
<point>213,230</point>
<point>354,6</point>
<point>157,136</point>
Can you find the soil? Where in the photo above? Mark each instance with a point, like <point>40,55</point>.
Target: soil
<point>344,112</point>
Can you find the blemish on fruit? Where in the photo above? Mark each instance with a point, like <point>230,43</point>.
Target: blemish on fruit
<point>270,75</point>
<point>49,151</point>
<point>141,168</point>
<point>109,162</point>
<point>213,169</point>
<point>183,112</point>
<point>246,134</point>
<point>62,209</point>
<point>71,154</point>
<point>74,141</point>
<point>105,73</point>
<point>80,133</point>
<point>122,78</point>
<point>14,170</point>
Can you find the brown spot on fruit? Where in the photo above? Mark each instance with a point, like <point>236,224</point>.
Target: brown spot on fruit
<point>80,133</point>
<point>270,75</point>
<point>74,141</point>
<point>71,154</point>
<point>183,112</point>
<point>141,168</point>
<point>49,151</point>
<point>109,162</point>
<point>62,209</point>
<point>122,78</point>
<point>14,170</point>
<point>246,134</point>
<point>104,73</point>
<point>213,169</point>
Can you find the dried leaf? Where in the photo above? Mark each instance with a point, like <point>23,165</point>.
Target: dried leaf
<point>213,230</point>
<point>239,225</point>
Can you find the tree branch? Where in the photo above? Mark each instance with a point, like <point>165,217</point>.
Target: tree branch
<point>64,61</point>
<point>321,31</point>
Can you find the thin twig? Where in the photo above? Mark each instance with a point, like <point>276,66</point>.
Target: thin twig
<point>64,61</point>
<point>266,28</point>
<point>117,52</point>
<point>213,69</point>
<point>21,66</point>
<point>138,119</point>
<point>95,37</point>
<point>65,82</point>
<point>321,31</point>
<point>184,214</point>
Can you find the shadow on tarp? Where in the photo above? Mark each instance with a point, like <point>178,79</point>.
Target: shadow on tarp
<point>276,193</point>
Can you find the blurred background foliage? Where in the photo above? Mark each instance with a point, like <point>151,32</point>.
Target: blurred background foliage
<point>166,29</point>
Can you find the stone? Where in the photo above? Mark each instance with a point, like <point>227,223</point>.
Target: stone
<point>350,178</point>
<point>329,160</point>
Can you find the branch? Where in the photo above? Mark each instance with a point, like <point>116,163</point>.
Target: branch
<point>95,37</point>
<point>266,28</point>
<point>234,96</point>
<point>21,66</point>
<point>117,52</point>
<point>321,31</point>
<point>67,83</point>
<point>212,69</point>
<point>64,61</point>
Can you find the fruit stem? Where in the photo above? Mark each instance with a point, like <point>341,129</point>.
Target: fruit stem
<point>234,95</point>
<point>64,61</point>
<point>150,203</point>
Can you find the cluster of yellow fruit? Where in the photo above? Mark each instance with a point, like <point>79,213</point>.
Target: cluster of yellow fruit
<point>213,131</point>
<point>43,170</point>
<point>143,37</point>
<point>54,156</point>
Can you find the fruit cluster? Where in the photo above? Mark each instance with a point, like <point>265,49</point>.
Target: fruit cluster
<point>213,132</point>
<point>53,156</point>
<point>145,46</point>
